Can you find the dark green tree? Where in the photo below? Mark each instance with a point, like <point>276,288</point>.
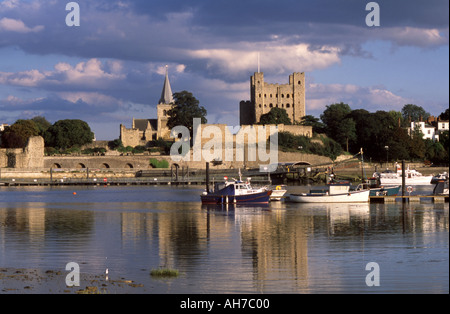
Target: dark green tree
<point>42,124</point>
<point>339,124</point>
<point>413,112</point>
<point>186,108</point>
<point>317,126</point>
<point>444,115</point>
<point>275,116</point>
<point>16,135</point>
<point>64,134</point>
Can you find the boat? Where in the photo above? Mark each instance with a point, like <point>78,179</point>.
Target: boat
<point>336,192</point>
<point>412,177</point>
<point>278,192</point>
<point>441,187</point>
<point>235,192</point>
<point>437,178</point>
<point>376,189</point>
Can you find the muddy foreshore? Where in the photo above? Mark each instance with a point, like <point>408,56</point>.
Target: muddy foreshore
<point>35,281</point>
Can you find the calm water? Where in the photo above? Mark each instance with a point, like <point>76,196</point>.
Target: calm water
<point>279,248</point>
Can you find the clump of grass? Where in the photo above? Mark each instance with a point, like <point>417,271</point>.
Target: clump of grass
<point>164,272</point>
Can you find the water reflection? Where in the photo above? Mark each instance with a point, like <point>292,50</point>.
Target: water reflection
<point>280,247</point>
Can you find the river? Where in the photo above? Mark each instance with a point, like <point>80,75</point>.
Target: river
<point>278,248</point>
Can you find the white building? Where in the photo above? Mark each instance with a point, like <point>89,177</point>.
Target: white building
<point>428,131</point>
<point>3,126</point>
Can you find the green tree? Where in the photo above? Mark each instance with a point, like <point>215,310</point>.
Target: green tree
<point>16,136</point>
<point>42,124</point>
<point>275,116</point>
<point>414,112</point>
<point>64,134</point>
<point>444,115</point>
<point>186,108</point>
<point>339,124</point>
<point>317,126</point>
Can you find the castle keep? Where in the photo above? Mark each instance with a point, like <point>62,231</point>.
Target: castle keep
<point>265,96</point>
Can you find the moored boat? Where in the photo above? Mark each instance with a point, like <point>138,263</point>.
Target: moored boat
<point>235,192</point>
<point>278,192</point>
<point>334,193</point>
<point>376,189</point>
<point>412,177</point>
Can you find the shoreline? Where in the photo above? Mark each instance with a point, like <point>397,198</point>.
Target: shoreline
<point>38,281</point>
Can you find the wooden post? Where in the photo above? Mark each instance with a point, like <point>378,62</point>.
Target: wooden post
<point>403,181</point>
<point>207,177</point>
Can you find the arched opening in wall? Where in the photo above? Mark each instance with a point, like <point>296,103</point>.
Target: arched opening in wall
<point>130,166</point>
<point>105,165</point>
<point>56,165</point>
<point>81,166</point>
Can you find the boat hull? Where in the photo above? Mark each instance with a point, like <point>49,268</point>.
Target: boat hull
<point>255,198</point>
<point>351,197</point>
<point>385,191</point>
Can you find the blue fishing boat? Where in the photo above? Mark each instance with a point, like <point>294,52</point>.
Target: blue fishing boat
<point>235,192</point>
<point>376,189</point>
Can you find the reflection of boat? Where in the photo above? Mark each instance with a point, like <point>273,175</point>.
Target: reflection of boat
<point>235,192</point>
<point>412,177</point>
<point>336,192</point>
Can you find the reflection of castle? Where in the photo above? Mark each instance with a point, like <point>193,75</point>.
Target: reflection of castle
<point>145,130</point>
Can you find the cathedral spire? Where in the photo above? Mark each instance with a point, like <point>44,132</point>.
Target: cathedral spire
<point>166,95</point>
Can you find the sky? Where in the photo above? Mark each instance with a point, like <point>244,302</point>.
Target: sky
<point>111,67</point>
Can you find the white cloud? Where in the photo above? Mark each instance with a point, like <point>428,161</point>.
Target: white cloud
<point>413,36</point>
<point>371,98</point>
<point>12,25</point>
<point>275,57</point>
<point>89,74</point>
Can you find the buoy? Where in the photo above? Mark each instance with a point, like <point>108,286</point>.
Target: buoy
<point>74,193</point>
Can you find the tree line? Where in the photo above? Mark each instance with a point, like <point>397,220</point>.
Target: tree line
<point>63,134</point>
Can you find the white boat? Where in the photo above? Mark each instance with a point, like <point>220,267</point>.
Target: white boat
<point>335,193</point>
<point>278,192</point>
<point>235,192</point>
<point>412,177</point>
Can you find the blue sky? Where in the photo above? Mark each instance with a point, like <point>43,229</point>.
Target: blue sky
<point>111,68</point>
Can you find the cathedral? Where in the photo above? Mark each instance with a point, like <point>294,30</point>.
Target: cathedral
<point>145,130</point>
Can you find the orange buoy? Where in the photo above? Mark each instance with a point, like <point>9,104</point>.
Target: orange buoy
<point>74,193</point>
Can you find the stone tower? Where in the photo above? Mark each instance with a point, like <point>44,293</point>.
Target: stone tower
<point>265,96</point>
<point>164,105</point>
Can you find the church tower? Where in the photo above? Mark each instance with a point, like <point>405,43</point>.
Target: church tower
<point>164,105</point>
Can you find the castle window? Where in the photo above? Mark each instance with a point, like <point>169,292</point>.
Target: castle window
<point>265,96</point>
<point>270,95</point>
<point>270,105</point>
<point>282,105</point>
<point>299,82</point>
<point>265,106</point>
<point>277,105</point>
<point>287,96</point>
<point>288,106</point>
<point>259,95</point>
<point>165,113</point>
<point>260,106</point>
<point>282,95</point>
